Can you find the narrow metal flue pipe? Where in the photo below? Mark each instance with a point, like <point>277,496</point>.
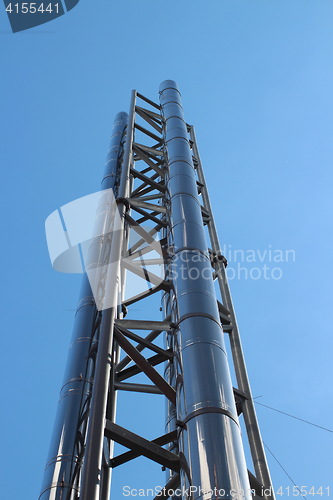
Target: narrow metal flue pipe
<point>212,457</point>
<point>62,472</point>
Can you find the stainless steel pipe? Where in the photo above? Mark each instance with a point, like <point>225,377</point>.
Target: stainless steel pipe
<point>62,472</point>
<point>211,452</point>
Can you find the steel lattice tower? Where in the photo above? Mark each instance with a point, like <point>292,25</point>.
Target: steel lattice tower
<point>161,195</point>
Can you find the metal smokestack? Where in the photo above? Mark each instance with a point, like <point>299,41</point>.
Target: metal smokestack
<point>211,451</point>
<point>63,468</point>
<point>152,176</point>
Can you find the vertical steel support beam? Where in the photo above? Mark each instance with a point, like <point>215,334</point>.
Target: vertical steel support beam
<point>62,472</point>
<point>108,182</point>
<point>250,418</point>
<point>170,377</point>
<point>91,473</point>
<point>212,456</point>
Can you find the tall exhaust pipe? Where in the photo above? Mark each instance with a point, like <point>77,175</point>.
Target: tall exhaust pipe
<point>211,452</point>
<point>61,479</point>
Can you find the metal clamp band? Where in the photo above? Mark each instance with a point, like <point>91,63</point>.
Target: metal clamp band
<point>210,409</point>
<point>199,314</point>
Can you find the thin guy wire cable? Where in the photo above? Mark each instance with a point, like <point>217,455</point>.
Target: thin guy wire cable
<point>293,416</point>
<point>284,470</point>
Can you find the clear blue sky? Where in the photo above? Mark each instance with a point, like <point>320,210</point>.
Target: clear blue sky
<point>256,78</point>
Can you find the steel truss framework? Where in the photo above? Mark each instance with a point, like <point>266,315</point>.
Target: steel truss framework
<point>108,349</point>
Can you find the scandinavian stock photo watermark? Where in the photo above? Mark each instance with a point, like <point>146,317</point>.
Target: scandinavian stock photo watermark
<point>188,493</point>
<point>87,236</point>
<point>192,492</point>
<point>257,264</point>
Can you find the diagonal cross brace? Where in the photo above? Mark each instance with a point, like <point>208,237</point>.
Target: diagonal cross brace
<point>150,118</point>
<point>130,455</point>
<point>143,273</point>
<point>150,337</point>
<point>148,180</point>
<point>145,236</point>
<point>126,373</point>
<point>142,446</point>
<point>141,155</point>
<point>144,342</point>
<point>145,366</point>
